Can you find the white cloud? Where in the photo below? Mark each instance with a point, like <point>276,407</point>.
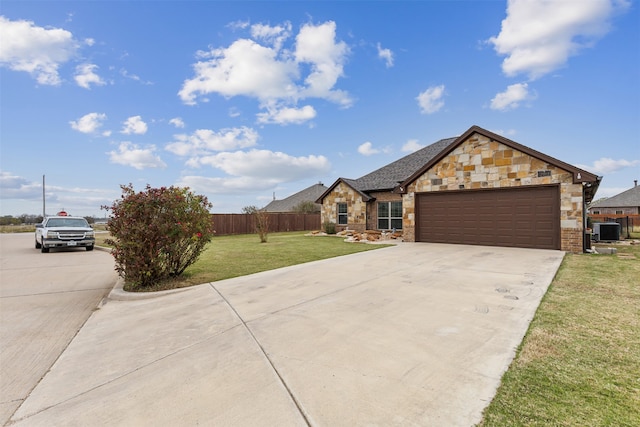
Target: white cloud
<point>269,165</point>
<point>17,187</point>
<point>606,165</point>
<point>366,149</point>
<point>85,76</point>
<point>135,77</point>
<point>412,145</point>
<point>287,115</point>
<point>228,185</point>
<point>385,54</point>
<point>538,37</point>
<point>234,112</point>
<point>507,132</point>
<point>129,154</point>
<point>430,100</point>
<point>13,187</point>
<point>89,123</point>
<point>273,35</point>
<point>272,74</point>
<point>205,141</point>
<point>36,50</point>
<point>177,122</point>
<point>244,68</point>
<point>239,25</point>
<point>317,46</point>
<point>134,125</point>
<point>512,97</point>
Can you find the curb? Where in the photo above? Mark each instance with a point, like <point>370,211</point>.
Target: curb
<point>119,294</point>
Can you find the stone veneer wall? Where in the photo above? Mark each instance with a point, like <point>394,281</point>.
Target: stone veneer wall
<point>480,162</point>
<point>356,208</point>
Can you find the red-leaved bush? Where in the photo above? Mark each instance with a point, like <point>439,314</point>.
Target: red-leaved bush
<point>157,233</point>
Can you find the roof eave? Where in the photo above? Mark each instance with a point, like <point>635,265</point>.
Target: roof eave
<point>365,196</point>
<point>579,175</point>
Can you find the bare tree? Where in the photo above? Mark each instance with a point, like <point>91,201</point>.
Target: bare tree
<point>261,218</point>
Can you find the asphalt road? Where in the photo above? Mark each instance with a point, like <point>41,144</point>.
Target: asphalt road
<point>44,301</point>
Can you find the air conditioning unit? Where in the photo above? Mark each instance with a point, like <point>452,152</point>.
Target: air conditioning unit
<point>606,231</point>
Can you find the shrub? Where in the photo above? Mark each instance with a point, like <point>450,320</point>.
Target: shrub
<point>330,227</point>
<point>261,218</point>
<point>157,233</point>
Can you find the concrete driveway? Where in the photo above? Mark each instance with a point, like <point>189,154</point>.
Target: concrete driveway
<point>413,335</point>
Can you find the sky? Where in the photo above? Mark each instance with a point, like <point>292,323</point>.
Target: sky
<point>242,101</point>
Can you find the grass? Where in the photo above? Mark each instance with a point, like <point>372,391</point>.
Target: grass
<point>579,364</point>
<point>232,256</point>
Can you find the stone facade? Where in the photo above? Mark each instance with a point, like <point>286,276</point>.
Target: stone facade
<point>482,163</point>
<point>356,208</point>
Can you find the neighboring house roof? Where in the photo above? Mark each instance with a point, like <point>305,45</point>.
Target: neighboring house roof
<point>309,194</point>
<point>388,177</point>
<point>397,175</point>
<point>626,199</point>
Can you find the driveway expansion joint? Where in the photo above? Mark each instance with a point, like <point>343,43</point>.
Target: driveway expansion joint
<point>266,355</point>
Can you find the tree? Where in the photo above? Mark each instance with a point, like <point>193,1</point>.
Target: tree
<point>306,207</point>
<point>261,218</point>
<point>157,233</point>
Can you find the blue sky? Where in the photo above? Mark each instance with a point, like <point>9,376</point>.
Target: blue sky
<point>242,100</point>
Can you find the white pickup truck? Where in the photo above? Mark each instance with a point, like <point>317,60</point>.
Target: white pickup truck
<point>64,232</point>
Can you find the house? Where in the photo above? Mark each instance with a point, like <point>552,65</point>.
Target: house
<point>289,204</point>
<point>625,203</point>
<point>479,188</point>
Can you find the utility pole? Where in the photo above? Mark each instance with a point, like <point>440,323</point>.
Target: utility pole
<point>44,210</point>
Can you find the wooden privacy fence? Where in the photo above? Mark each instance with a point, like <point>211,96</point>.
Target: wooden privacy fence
<point>225,224</point>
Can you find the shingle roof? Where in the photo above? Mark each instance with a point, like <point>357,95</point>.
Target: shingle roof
<point>309,194</point>
<point>398,175</point>
<point>629,198</point>
<point>389,176</point>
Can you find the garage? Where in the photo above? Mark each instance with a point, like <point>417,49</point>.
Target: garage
<point>527,217</point>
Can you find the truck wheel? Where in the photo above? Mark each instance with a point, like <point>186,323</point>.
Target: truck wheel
<point>38,245</point>
<point>44,250</point>
<point>90,248</point>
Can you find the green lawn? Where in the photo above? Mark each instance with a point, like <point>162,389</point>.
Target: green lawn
<point>233,256</point>
<point>579,364</point>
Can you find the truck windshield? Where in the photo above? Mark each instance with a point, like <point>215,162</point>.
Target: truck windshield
<point>67,222</point>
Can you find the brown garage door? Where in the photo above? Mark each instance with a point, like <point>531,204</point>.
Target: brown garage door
<point>527,217</point>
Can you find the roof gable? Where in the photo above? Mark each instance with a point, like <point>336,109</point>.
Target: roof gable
<point>588,179</point>
<point>626,199</point>
<point>350,182</point>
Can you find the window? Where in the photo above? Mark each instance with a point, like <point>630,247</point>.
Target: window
<point>596,212</point>
<point>342,213</point>
<point>389,215</point>
<point>618,212</point>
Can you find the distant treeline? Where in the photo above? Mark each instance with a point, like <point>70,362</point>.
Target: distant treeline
<point>34,219</point>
